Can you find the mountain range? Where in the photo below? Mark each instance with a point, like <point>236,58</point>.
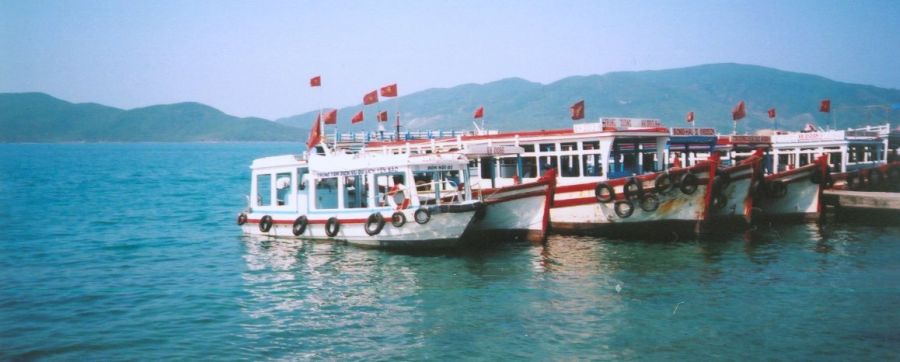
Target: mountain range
<point>710,91</point>
<point>38,117</point>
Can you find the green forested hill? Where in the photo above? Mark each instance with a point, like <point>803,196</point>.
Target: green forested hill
<point>38,117</point>
<point>711,91</point>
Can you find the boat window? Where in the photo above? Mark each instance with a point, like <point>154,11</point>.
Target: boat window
<point>302,176</point>
<point>355,192</point>
<point>592,165</point>
<point>391,190</point>
<point>591,146</point>
<point>528,147</point>
<point>648,161</point>
<point>548,147</point>
<point>529,167</point>
<point>425,187</point>
<point>327,193</point>
<point>474,168</point>
<point>264,190</point>
<point>487,165</point>
<point>570,166</point>
<point>508,167</point>
<point>283,188</point>
<point>547,162</point>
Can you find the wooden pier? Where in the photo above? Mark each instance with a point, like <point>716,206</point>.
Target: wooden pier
<point>862,200</point>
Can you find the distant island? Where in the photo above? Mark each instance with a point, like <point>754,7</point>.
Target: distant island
<point>710,91</point>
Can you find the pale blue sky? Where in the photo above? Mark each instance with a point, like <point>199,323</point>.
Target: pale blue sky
<point>255,58</point>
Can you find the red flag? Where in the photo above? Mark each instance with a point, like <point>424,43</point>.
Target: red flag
<point>577,110</point>
<point>772,113</point>
<point>331,117</point>
<point>315,135</point>
<point>739,111</point>
<point>315,81</point>
<point>389,90</point>
<point>371,97</point>
<point>479,113</point>
<point>357,118</point>
<point>825,106</point>
<point>690,117</point>
<point>382,116</point>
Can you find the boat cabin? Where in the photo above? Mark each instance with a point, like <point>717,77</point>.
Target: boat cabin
<point>610,148</point>
<point>356,182</point>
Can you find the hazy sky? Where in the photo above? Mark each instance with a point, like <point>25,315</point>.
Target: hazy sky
<point>255,58</point>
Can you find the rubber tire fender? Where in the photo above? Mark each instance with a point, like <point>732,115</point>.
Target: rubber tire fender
<point>649,202</point>
<point>299,226</point>
<point>265,224</point>
<point>377,219</point>
<point>422,216</point>
<point>633,189</point>
<point>688,184</point>
<point>663,183</point>
<point>606,197</point>
<point>398,219</point>
<point>332,226</point>
<point>627,211</point>
<point>242,219</point>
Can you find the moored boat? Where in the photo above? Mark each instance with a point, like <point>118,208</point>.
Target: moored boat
<point>362,199</point>
<point>614,151</point>
<point>794,194</point>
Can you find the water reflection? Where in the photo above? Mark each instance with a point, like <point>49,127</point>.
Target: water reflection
<point>320,295</point>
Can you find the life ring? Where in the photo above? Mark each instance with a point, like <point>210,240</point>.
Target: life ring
<point>776,189</point>
<point>624,208</point>
<point>377,219</point>
<point>422,216</point>
<point>632,189</point>
<point>398,219</point>
<point>663,183</point>
<point>649,202</point>
<point>604,192</point>
<point>332,226</point>
<point>719,200</point>
<point>688,184</point>
<point>300,225</point>
<point>265,224</point>
<point>242,219</point>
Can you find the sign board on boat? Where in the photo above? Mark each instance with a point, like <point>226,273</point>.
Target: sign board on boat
<point>750,139</point>
<point>607,124</point>
<point>693,131</point>
<point>808,137</point>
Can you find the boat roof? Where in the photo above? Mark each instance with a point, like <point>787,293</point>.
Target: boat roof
<point>609,127</point>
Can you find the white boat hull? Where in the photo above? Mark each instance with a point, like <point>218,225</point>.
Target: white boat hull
<point>521,211</point>
<point>443,229</point>
<point>801,200</point>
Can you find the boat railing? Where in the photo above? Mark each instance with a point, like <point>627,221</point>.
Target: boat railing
<point>385,136</point>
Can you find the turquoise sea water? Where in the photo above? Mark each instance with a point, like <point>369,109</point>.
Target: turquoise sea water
<point>130,251</point>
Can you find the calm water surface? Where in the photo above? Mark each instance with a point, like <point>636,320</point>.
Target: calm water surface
<point>130,251</point>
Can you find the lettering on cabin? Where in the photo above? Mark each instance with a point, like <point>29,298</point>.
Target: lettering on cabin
<point>751,139</point>
<point>693,131</point>
<point>358,172</point>
<point>809,137</point>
